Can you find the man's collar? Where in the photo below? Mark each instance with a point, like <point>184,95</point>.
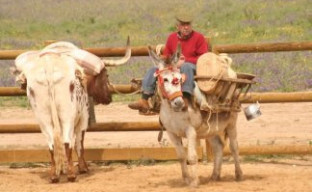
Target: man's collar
<point>186,37</point>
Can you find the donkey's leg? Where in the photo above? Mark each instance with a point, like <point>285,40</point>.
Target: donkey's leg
<point>192,155</point>
<point>232,134</point>
<point>217,148</point>
<point>177,142</point>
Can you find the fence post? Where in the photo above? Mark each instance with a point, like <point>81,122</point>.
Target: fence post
<point>92,118</point>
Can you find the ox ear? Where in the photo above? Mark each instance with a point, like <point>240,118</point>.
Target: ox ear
<point>177,54</point>
<point>158,62</point>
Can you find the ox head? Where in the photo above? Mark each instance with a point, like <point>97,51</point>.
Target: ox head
<point>169,78</point>
<point>98,86</point>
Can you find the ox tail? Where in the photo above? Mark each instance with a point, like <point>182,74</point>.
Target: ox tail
<point>58,148</point>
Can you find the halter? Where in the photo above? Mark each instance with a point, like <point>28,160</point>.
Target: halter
<point>161,86</point>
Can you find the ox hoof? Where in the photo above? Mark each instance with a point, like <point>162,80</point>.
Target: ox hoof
<point>83,171</point>
<point>54,179</point>
<point>71,178</point>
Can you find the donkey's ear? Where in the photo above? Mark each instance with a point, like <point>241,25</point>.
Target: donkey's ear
<point>177,54</point>
<point>158,62</point>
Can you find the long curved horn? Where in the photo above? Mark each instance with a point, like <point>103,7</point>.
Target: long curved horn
<point>110,62</point>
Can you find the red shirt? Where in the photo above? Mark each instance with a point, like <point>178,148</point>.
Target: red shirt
<point>192,47</point>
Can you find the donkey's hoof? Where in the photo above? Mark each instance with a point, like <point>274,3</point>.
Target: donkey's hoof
<point>238,177</point>
<point>187,180</point>
<point>215,177</point>
<point>194,183</point>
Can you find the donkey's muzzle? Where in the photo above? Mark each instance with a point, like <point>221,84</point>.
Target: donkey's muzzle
<point>177,104</point>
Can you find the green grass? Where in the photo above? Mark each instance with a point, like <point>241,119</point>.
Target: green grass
<point>20,101</point>
<point>98,23</point>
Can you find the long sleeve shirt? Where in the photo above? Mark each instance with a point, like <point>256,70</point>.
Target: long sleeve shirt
<point>192,47</point>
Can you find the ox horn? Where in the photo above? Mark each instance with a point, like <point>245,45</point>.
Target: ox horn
<point>110,62</point>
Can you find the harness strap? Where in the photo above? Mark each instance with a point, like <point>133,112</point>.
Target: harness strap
<point>175,95</point>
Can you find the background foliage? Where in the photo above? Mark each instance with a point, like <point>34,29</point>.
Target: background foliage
<point>26,24</point>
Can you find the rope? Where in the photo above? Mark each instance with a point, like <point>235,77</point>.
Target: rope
<point>209,127</point>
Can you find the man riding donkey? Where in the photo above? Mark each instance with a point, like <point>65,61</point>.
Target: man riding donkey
<point>193,45</point>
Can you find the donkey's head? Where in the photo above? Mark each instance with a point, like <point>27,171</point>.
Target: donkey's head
<point>169,79</point>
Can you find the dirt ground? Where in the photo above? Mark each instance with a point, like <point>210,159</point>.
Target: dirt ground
<point>279,124</point>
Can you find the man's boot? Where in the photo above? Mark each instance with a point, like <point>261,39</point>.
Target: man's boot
<point>141,105</point>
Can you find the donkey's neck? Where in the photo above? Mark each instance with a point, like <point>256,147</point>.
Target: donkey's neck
<point>181,120</point>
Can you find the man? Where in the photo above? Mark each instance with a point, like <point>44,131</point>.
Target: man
<point>193,45</point>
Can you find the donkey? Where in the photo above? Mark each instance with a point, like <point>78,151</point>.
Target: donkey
<point>192,123</point>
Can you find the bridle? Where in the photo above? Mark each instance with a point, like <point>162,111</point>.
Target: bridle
<point>161,84</point>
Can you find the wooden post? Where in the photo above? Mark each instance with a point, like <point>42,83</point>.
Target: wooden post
<point>92,118</point>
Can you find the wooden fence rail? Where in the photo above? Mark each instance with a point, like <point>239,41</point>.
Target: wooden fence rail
<point>164,153</point>
<point>143,51</point>
<point>38,155</point>
<point>267,97</point>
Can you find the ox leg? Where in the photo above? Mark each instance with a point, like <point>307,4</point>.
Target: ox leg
<point>177,142</point>
<point>71,176</point>
<point>217,148</point>
<point>82,165</point>
<point>53,177</point>
<point>235,153</point>
<point>192,155</point>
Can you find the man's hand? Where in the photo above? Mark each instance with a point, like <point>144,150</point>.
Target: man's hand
<point>181,61</point>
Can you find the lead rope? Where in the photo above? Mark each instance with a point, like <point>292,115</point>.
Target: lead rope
<point>217,114</point>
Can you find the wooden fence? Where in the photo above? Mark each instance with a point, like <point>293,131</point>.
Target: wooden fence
<point>39,155</point>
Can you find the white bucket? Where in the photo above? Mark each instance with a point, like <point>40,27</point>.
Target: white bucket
<point>252,111</point>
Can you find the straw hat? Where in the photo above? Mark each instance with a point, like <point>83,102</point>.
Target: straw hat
<point>184,17</point>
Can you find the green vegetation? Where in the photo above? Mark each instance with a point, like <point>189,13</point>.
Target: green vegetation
<point>95,23</point>
<point>19,101</point>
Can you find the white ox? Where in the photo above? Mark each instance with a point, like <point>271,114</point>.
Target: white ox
<point>190,122</point>
<point>58,90</point>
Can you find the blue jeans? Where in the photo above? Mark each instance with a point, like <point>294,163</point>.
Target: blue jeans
<point>149,81</point>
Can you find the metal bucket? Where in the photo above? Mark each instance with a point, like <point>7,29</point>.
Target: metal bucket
<point>252,111</point>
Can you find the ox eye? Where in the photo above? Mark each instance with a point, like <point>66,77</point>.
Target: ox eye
<point>166,80</point>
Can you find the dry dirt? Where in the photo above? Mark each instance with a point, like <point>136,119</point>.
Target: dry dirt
<point>280,124</point>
